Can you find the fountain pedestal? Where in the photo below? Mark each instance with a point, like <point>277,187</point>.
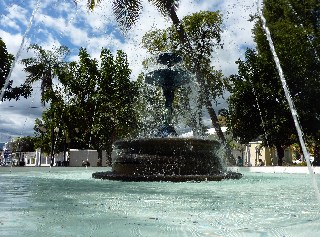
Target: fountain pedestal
<point>166,156</point>
<point>167,159</point>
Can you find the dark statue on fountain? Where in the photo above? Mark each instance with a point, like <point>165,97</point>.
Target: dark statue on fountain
<point>168,79</point>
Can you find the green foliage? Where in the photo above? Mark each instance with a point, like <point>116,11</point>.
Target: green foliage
<point>258,100</point>
<point>25,144</point>
<point>114,113</point>
<point>203,30</point>
<point>43,138</point>
<point>93,105</point>
<point>297,41</point>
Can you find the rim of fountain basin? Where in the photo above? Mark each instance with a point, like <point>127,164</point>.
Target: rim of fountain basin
<point>153,152</point>
<point>166,178</point>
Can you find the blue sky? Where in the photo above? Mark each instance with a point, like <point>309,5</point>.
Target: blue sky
<point>61,22</point>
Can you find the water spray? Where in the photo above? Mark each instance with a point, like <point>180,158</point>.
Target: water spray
<point>20,49</point>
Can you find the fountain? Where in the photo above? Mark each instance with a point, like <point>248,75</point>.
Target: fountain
<point>166,157</point>
<point>38,201</point>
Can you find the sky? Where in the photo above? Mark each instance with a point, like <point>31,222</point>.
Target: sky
<point>51,23</point>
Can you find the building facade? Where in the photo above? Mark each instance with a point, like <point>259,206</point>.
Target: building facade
<point>254,154</point>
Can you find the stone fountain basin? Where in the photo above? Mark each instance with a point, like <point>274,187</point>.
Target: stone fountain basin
<point>166,159</point>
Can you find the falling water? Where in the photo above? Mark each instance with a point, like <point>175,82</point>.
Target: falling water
<point>291,104</point>
<point>195,112</point>
<point>20,49</point>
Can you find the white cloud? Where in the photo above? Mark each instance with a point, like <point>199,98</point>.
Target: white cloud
<point>236,35</point>
<point>12,41</point>
<point>100,18</point>
<point>15,16</point>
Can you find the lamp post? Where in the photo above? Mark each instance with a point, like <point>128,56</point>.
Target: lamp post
<point>64,133</point>
<point>257,155</point>
<point>43,130</point>
<point>19,150</point>
<point>64,148</point>
<point>53,130</point>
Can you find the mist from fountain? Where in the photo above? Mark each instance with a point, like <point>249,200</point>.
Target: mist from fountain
<point>195,109</point>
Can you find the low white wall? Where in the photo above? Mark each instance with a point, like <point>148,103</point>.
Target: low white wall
<point>276,169</point>
<point>78,156</point>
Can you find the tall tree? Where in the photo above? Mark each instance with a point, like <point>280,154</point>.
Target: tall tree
<point>257,102</point>
<point>298,48</point>
<point>25,144</point>
<point>115,116</point>
<point>98,101</point>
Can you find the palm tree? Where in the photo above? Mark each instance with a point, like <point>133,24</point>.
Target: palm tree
<point>42,68</point>
<point>127,13</point>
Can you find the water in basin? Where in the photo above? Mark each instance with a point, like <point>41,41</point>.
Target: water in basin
<point>68,202</point>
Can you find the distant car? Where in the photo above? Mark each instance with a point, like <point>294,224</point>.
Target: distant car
<point>299,161</point>
<point>311,159</point>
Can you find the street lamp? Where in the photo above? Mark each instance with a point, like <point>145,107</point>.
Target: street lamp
<point>53,130</point>
<point>257,155</point>
<point>19,150</point>
<point>43,130</point>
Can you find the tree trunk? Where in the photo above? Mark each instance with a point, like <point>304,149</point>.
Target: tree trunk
<point>280,152</point>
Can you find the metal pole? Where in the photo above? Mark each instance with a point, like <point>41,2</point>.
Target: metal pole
<point>52,146</point>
